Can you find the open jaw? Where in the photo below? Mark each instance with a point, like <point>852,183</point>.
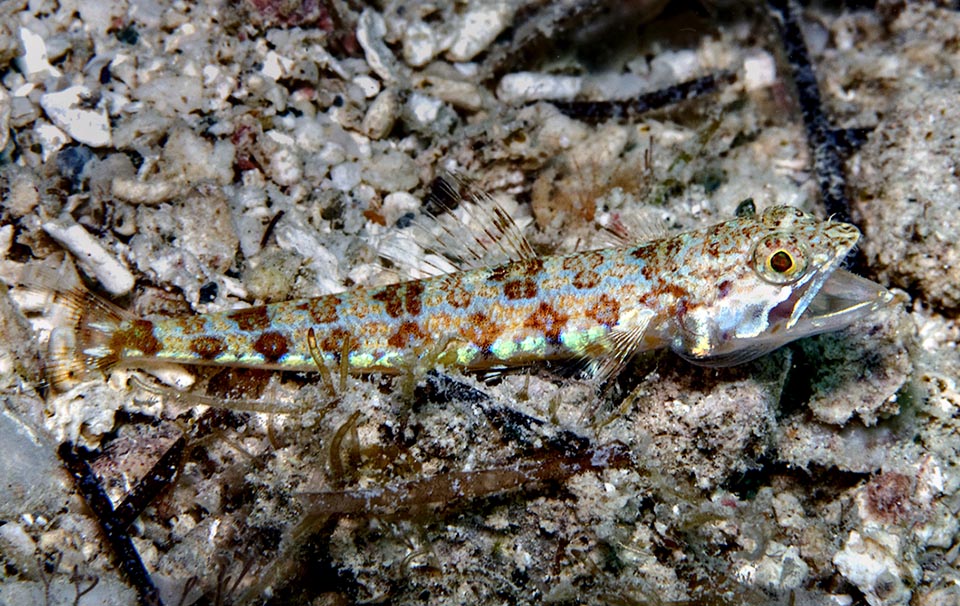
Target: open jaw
<point>843,299</point>
<point>831,302</point>
<point>840,300</point>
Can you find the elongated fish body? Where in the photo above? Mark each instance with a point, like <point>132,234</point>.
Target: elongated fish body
<point>719,295</point>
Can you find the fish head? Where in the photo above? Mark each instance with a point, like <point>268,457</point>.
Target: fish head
<point>780,280</point>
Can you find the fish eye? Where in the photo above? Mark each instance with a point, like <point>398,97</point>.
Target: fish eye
<point>780,258</point>
<point>780,261</point>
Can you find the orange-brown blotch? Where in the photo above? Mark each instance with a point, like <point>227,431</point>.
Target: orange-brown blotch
<point>271,345</point>
<point>207,347</point>
<point>547,320</point>
<point>138,336</point>
<point>323,310</point>
<point>606,311</point>
<point>524,288</point>
<point>251,318</point>
<point>406,334</point>
<point>480,330</point>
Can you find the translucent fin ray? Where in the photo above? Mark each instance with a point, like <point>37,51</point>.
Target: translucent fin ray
<point>609,357</point>
<point>80,344</point>
<point>461,228</point>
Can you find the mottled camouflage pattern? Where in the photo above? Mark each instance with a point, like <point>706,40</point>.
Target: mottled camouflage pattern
<point>719,295</point>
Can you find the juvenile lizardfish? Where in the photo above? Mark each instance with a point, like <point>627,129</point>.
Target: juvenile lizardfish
<point>718,296</point>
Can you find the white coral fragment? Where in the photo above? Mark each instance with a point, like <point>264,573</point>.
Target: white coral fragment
<point>871,563</point>
<point>65,109</point>
<point>33,62</point>
<point>481,25</point>
<point>91,255</point>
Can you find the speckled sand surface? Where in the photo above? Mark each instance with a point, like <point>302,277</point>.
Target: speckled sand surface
<point>152,145</point>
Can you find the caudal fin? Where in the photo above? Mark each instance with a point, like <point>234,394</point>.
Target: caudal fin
<point>82,340</point>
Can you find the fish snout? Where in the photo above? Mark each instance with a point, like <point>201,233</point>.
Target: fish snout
<point>843,233</point>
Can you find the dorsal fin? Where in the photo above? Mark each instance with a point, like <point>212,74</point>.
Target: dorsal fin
<point>461,227</point>
<point>622,230</point>
<point>626,234</point>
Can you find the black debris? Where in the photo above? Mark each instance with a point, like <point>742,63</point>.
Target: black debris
<point>115,530</point>
<point>150,486</point>
<point>629,109</point>
<point>825,143</point>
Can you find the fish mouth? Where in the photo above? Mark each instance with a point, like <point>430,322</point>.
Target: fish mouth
<point>842,299</point>
<point>836,300</point>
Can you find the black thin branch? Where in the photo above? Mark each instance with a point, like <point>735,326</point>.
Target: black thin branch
<point>825,142</point>
<point>147,489</point>
<point>629,109</point>
<point>116,532</point>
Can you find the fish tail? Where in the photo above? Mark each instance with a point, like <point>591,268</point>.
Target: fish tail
<point>82,342</point>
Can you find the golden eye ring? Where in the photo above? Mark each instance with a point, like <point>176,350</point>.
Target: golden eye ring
<point>780,262</point>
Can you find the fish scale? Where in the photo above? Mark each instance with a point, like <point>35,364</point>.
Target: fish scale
<point>719,295</point>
